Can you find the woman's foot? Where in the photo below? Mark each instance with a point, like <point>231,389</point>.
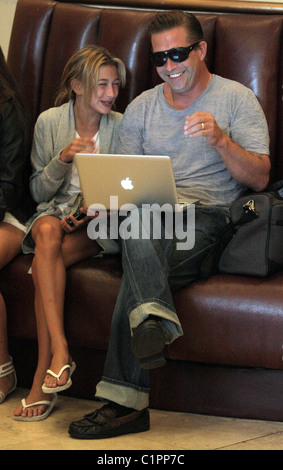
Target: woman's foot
<point>7,386</point>
<point>62,369</point>
<point>34,411</point>
<point>8,382</point>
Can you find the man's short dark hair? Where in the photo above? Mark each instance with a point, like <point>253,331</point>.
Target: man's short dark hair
<point>167,20</point>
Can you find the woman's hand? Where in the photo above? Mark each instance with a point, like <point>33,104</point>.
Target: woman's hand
<point>78,146</point>
<point>76,224</point>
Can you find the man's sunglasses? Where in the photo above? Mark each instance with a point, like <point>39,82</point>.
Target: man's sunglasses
<point>177,54</point>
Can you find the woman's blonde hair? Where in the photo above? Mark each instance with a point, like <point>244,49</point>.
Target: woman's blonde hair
<point>84,65</point>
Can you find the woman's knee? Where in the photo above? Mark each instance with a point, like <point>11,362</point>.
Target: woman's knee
<point>48,235</point>
<point>2,302</point>
<point>10,242</point>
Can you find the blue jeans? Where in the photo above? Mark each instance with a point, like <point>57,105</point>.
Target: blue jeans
<point>152,270</point>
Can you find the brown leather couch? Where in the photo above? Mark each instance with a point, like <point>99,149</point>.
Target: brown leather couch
<point>230,359</point>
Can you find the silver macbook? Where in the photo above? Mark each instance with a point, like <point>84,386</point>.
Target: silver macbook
<point>120,180</point>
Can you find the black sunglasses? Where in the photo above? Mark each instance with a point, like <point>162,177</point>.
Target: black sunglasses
<point>177,54</point>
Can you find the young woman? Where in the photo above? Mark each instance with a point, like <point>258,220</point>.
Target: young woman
<point>86,123</point>
<point>15,200</point>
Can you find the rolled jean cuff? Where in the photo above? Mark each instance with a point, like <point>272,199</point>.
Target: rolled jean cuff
<point>137,398</point>
<point>170,320</point>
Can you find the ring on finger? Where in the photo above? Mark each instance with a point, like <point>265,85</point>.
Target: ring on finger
<point>202,126</point>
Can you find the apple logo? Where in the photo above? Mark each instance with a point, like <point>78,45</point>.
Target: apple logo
<point>127,183</point>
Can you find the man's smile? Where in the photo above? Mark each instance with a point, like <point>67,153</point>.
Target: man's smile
<point>175,75</point>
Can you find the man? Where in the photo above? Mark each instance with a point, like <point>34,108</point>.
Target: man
<point>216,134</point>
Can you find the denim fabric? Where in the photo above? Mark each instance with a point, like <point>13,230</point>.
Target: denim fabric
<point>152,269</point>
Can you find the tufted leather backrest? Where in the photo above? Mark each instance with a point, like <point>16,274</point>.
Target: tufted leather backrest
<point>248,51</point>
<point>242,47</point>
<point>71,29</point>
<point>27,50</point>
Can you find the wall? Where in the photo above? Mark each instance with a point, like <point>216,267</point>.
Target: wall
<point>7,10</point>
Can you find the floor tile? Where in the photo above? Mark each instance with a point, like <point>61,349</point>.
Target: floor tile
<point>169,431</point>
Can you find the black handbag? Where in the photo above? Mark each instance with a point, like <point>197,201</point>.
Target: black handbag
<point>256,247</point>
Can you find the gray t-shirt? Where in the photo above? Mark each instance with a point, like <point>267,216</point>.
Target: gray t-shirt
<point>151,127</point>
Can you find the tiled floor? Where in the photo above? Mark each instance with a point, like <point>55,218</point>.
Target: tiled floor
<point>169,431</point>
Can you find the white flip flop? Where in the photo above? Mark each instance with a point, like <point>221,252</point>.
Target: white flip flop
<point>60,388</point>
<point>7,369</point>
<point>50,405</point>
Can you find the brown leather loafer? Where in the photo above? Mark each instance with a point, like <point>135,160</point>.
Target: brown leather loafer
<point>148,342</point>
<point>103,423</point>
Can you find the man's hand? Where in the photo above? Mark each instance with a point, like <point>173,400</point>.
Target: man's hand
<point>248,168</point>
<point>204,125</point>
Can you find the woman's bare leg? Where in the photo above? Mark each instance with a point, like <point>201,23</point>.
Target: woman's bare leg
<point>44,358</point>
<point>51,280</point>
<point>10,246</point>
<point>75,247</point>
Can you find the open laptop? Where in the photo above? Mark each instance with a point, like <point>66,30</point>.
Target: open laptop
<point>121,180</point>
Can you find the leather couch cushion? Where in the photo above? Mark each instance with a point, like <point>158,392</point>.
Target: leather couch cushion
<point>231,320</point>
